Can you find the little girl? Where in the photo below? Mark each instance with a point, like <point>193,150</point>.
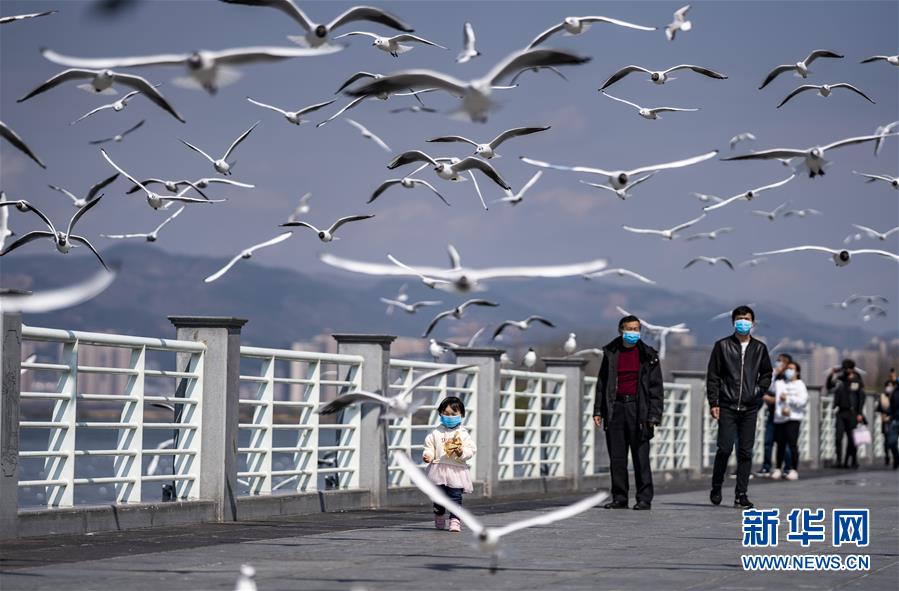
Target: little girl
<point>447,449</point>
<point>791,398</point>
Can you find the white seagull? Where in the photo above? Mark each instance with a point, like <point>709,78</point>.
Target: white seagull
<point>660,76</point>
<point>893,60</point>
<point>400,405</point>
<point>647,112</point>
<point>575,25</point>
<point>5,232</point>
<point>327,235</point>
<point>771,215</point>
<point>150,236</point>
<point>413,109</point>
<point>175,186</point>
<point>883,131</point>
<point>570,344</point>
<point>302,208</point>
<point>741,137</point>
<point>58,299</point>
<point>892,180</point>
<point>710,235</point>
<point>79,202</point>
<point>555,71</point>
<point>620,273</point>
<point>468,41</point>
<point>367,134</point>
<point>710,261</point>
<point>801,213</point>
<point>463,279</point>
<point>293,116</point>
<point>753,262</point>
<point>475,94</point>
<point>515,198</point>
<point>317,33</point>
<point>435,349</point>
<point>521,324</point>
<point>456,313</point>
<point>824,90</point>
<point>101,82</point>
<point>116,106</point>
<point>401,296</point>
<point>19,17</point>
<point>841,257</point>
<point>393,45</point>
<point>708,198</point>
<point>680,23</point>
<point>624,192</point>
<point>468,344</point>
<point>17,142</point>
<point>406,183</point>
<point>670,233</point>
<point>247,253</point>
<point>451,169</point>
<point>488,150</point>
<point>619,179</point>
<point>530,358</point>
<point>410,308</point>
<point>800,68</point>
<point>221,165</point>
<point>855,298</point>
<point>871,311</point>
<point>813,158</point>
<point>119,136</point>
<point>872,233</point>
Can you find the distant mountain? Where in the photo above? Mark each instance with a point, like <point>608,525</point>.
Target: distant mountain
<point>284,306</point>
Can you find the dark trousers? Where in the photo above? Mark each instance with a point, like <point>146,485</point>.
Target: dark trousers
<point>769,444</point>
<point>892,441</point>
<point>455,495</point>
<point>845,424</point>
<point>787,436</point>
<point>735,426</point>
<point>623,433</point>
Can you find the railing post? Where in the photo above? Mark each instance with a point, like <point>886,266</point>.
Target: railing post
<point>572,412</point>
<point>813,422</point>
<point>10,371</point>
<point>698,409</point>
<point>220,405</point>
<point>487,418</point>
<point>373,460</point>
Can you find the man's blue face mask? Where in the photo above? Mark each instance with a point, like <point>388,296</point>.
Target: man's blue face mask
<point>742,326</point>
<point>450,422</point>
<point>630,337</point>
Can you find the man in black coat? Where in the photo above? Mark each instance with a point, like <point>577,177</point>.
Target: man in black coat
<point>848,402</point>
<point>629,396</point>
<point>739,374</point>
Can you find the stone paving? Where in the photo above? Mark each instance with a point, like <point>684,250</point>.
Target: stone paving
<point>683,543</point>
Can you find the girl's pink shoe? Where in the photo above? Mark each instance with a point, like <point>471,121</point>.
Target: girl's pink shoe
<point>455,525</point>
<point>439,522</point>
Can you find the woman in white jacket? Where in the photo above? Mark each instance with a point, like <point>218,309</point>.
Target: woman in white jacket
<point>790,400</point>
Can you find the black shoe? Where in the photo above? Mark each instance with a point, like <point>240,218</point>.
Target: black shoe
<point>641,506</point>
<point>715,495</point>
<point>743,502</point>
<point>615,505</point>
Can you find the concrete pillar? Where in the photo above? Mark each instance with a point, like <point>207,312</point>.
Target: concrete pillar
<point>373,460</point>
<point>572,412</point>
<point>10,370</point>
<point>813,425</point>
<point>219,415</point>
<point>698,408</point>
<point>487,418</point>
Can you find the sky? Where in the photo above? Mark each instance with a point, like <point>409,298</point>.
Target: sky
<point>560,220</point>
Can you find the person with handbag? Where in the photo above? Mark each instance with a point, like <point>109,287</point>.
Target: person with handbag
<point>848,401</point>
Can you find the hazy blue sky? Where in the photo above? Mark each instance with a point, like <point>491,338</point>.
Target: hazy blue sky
<point>560,220</point>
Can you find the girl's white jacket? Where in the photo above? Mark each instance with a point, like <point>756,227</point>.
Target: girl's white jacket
<point>797,400</point>
<point>433,445</point>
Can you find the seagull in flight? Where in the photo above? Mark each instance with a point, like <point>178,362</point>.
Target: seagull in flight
<point>368,135</point>
<point>728,313</point>
<point>101,82</point>
<point>468,344</point>
<point>407,183</point>
<point>401,296</point>
<point>221,165</point>
<point>813,157</point>
<point>893,60</point>
<point>393,45</point>
<point>624,192</point>
<point>800,68</point>
<point>741,137</point>
<point>175,186</point>
<point>521,324</point>
<point>824,90</point>
<point>872,233</point>
<point>451,169</point>
<point>458,278</point>
<point>327,235</point>
<point>869,312</point>
<point>410,308</point>
<point>63,241</point>
<point>680,23</point>
<point>398,406</point>
<point>647,112</point>
<point>883,131</point>
<point>488,150</point>
<point>515,198</point>
<point>475,94</point>
<point>855,298</point>
<point>710,261</point>
<point>771,215</point>
<point>150,236</point>
<point>116,106</point>
<point>80,202</point>
<point>710,235</point>
<point>5,232</point>
<point>748,195</point>
<point>660,76</point>
<point>413,109</point>
<point>118,137</point>
<point>5,20</point>
<point>575,25</point>
<point>670,233</point>
<point>801,213</point>
<point>247,253</point>
<point>619,179</point>
<point>753,262</point>
<point>841,257</point>
<point>708,198</point>
<point>514,80</point>
<point>456,313</point>
<point>468,41</point>
<point>317,33</point>
<point>302,208</point>
<point>294,117</point>
<point>620,273</point>
<point>18,143</point>
<point>59,299</point>
<point>892,180</point>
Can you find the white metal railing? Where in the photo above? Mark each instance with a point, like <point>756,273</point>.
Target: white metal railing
<point>69,436</point>
<point>408,434</point>
<point>588,440</point>
<point>670,448</point>
<point>284,444</point>
<point>531,424</point>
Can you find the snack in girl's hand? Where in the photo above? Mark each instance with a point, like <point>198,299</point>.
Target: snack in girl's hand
<point>453,446</point>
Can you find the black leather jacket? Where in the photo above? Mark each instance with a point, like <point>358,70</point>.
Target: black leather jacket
<point>650,391</point>
<point>738,381</point>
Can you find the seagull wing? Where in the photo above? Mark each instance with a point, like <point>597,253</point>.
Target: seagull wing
<point>144,86</point>
<point>621,74</point>
<point>285,6</point>
<point>170,218</point>
<point>96,188</point>
<point>410,157</point>
<point>882,253</point>
<point>452,138</point>
<point>273,108</point>
<point>346,220</point>
<point>314,107</point>
<point>569,270</point>
<point>775,185</point>
<point>434,322</point>
<point>540,319</point>
<point>81,211</point>
<point>798,249</point>
<point>57,299</point>
<point>531,58</point>
<point>642,230</point>
<point>614,21</point>
<point>170,59</point>
<point>25,239</point>
<point>300,224</point>
<point>515,132</point>
<point>85,242</point>
<point>279,238</point>
<point>798,90</point>
<point>383,187</point>
<point>545,35</point>
<point>878,177</point>
<point>249,55</point>
<point>416,39</point>
<point>368,13</point>
<point>775,73</point>
<point>727,262</point>
<point>874,58</point>
<point>853,89</point>
<point>345,400</point>
<point>19,17</point>
<point>236,142</point>
<point>433,374</point>
<point>378,268</point>
<point>65,192</point>
<point>354,78</point>
<point>693,261</point>
<point>686,225</point>
<point>196,149</point>
<point>635,105</point>
<point>820,53</point>
<point>410,79</point>
<point>431,187</point>
<point>698,70</point>
<point>476,163</point>
<point>530,182</point>
<point>675,164</point>
<point>853,140</point>
<point>346,107</point>
<point>586,169</point>
<point>552,516</point>
<point>769,154</point>
<point>224,269</point>
<point>478,302</point>
<point>13,138</point>
<point>499,329</point>
<point>726,202</point>
<point>64,76</point>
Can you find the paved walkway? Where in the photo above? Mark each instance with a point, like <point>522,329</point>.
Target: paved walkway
<point>683,543</point>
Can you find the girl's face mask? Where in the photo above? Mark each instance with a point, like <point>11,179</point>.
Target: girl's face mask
<point>450,422</point>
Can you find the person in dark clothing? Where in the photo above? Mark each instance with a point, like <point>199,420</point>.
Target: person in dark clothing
<point>738,375</point>
<point>893,431</point>
<point>848,402</point>
<point>783,360</point>
<point>883,408</point>
<point>628,406</point>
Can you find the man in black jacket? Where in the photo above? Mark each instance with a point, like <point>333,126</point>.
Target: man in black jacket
<point>848,402</point>
<point>628,406</point>
<point>739,374</point>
